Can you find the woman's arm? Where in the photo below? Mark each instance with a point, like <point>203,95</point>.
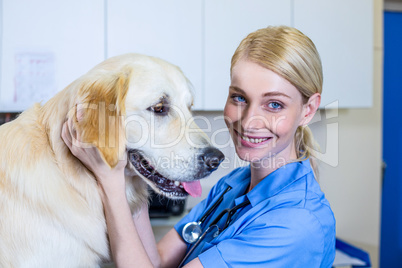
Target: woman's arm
<point>126,245</point>
<point>129,247</point>
<point>143,224</point>
<point>171,249</point>
<point>125,242</point>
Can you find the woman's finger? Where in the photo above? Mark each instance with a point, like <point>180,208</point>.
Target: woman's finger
<point>75,139</point>
<point>71,129</point>
<point>65,135</point>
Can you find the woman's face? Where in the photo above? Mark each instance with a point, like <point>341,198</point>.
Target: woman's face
<point>262,112</point>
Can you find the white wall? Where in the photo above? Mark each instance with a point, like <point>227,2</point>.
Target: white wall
<point>351,178</point>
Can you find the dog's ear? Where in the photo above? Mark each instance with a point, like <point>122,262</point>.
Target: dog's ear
<point>100,114</point>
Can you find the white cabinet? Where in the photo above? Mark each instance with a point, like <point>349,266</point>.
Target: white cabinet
<point>171,30</point>
<point>343,33</point>
<point>45,45</point>
<point>227,22</point>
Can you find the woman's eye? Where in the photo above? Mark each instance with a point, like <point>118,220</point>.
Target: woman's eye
<point>239,99</point>
<point>159,109</point>
<point>275,105</point>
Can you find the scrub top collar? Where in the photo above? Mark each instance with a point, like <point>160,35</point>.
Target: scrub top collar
<point>270,185</point>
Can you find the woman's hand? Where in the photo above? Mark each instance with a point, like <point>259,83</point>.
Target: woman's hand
<point>92,159</point>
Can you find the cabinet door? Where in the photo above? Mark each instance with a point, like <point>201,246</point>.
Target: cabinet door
<point>171,30</point>
<point>343,33</point>
<point>227,22</point>
<point>45,46</point>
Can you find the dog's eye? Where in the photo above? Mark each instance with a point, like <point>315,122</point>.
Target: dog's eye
<point>160,108</point>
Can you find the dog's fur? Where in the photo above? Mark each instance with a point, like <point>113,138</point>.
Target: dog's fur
<point>51,212</point>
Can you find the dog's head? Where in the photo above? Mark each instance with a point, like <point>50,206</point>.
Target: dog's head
<point>139,107</point>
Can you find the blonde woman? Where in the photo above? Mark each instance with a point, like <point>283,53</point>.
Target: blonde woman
<point>270,213</point>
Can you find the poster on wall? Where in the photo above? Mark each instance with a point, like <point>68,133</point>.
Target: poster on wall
<point>30,78</point>
<point>34,77</point>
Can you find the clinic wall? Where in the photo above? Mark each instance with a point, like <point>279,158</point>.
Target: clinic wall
<point>351,178</point>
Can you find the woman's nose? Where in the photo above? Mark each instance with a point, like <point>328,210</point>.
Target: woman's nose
<point>252,118</point>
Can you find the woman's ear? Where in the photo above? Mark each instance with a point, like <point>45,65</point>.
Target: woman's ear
<point>310,108</point>
<point>100,112</point>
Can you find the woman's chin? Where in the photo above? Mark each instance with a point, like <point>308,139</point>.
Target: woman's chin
<point>268,160</point>
<point>249,157</point>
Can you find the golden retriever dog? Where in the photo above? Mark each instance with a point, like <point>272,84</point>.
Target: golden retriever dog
<point>131,107</point>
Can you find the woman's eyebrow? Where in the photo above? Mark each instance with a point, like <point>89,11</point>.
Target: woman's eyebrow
<point>268,94</point>
<point>237,89</point>
<point>276,93</point>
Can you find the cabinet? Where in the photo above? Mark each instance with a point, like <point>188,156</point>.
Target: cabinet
<point>171,30</point>
<point>343,34</point>
<point>45,45</point>
<point>68,38</point>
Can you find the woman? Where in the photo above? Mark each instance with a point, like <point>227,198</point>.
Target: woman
<point>279,216</point>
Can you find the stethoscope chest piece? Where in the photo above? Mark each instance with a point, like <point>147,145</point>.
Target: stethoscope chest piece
<point>191,232</point>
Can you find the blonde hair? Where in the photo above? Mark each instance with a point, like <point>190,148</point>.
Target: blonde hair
<point>292,55</point>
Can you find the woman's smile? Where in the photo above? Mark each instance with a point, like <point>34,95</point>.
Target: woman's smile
<point>252,141</point>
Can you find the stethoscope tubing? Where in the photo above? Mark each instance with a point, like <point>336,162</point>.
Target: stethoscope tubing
<point>230,211</point>
<point>196,245</point>
<point>213,207</point>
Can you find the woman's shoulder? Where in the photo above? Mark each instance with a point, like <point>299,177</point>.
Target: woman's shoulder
<point>300,204</point>
<point>299,225</point>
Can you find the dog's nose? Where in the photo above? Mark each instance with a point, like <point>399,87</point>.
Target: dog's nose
<point>212,158</point>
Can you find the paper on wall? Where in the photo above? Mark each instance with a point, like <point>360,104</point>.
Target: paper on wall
<point>34,78</point>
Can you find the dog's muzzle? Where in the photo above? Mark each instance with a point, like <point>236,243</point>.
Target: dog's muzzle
<point>207,161</point>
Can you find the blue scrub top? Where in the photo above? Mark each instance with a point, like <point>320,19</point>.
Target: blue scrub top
<point>289,222</point>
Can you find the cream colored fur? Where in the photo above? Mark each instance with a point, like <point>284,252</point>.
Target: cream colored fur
<point>51,213</point>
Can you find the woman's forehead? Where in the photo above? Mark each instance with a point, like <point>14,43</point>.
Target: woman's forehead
<point>250,78</point>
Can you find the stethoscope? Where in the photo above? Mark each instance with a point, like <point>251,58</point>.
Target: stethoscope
<point>192,232</point>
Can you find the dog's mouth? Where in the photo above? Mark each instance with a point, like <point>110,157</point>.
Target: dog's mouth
<point>168,187</point>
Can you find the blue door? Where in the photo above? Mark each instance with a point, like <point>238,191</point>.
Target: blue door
<point>391,220</point>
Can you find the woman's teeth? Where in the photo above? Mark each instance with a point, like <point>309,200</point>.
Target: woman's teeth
<point>253,140</point>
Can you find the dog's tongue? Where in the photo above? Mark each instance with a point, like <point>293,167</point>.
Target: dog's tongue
<point>193,188</point>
